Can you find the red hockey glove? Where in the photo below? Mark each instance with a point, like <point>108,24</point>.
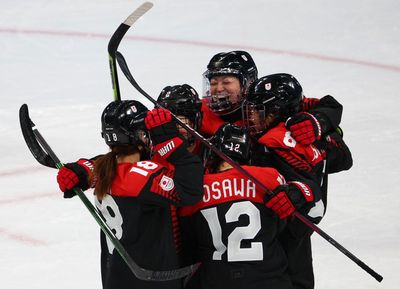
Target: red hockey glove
<point>280,202</point>
<point>304,127</point>
<point>75,175</point>
<point>160,124</point>
<point>290,197</point>
<point>164,133</point>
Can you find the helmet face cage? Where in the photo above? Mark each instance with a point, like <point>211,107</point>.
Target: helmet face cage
<point>123,124</point>
<point>254,117</point>
<point>280,95</point>
<point>235,63</point>
<point>222,103</point>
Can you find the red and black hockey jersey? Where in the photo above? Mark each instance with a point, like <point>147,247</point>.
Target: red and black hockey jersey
<point>138,210</point>
<point>296,162</point>
<point>233,234</point>
<point>210,122</point>
<point>300,157</point>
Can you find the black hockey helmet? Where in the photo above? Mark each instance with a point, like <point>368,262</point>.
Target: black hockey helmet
<point>237,63</point>
<point>182,100</point>
<point>233,141</point>
<point>122,123</point>
<point>277,94</point>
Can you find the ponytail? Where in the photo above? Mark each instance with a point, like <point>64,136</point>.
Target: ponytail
<point>105,168</point>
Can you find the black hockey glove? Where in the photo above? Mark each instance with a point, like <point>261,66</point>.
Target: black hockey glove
<point>301,196</point>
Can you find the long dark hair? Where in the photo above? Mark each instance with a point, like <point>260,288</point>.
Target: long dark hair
<point>105,168</point>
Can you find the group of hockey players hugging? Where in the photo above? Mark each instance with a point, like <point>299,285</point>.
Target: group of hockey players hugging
<point>172,201</point>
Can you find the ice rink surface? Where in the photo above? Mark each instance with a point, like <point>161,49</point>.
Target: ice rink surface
<point>54,58</point>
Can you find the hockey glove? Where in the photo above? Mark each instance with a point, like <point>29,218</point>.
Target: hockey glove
<point>160,124</point>
<point>164,133</point>
<point>73,175</point>
<point>304,127</point>
<point>280,202</point>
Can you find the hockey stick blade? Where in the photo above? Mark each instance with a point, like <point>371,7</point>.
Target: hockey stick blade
<point>45,156</point>
<point>125,69</point>
<point>116,40</point>
<point>27,128</point>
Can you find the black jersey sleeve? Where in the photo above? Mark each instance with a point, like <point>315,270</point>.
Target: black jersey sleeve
<point>189,177</point>
<point>328,111</point>
<point>338,154</point>
<point>180,186</point>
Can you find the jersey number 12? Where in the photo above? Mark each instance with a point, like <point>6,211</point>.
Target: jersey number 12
<point>233,248</point>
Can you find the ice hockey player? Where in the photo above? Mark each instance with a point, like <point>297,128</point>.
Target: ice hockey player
<point>134,194</point>
<point>226,81</point>
<point>233,230</point>
<point>225,85</point>
<point>184,102</point>
<point>270,102</point>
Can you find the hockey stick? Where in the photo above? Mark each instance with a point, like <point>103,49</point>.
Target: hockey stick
<point>125,69</point>
<point>116,40</point>
<point>45,156</point>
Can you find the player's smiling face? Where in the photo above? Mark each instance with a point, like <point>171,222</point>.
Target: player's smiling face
<point>226,86</point>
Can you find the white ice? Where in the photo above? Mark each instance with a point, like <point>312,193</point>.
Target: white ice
<point>53,57</point>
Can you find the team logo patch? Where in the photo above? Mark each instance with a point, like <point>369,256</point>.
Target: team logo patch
<point>133,108</point>
<point>268,86</point>
<point>166,183</point>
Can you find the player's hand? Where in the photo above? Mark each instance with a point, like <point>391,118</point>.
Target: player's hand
<point>164,134</point>
<point>75,175</point>
<point>160,124</point>
<point>280,202</point>
<point>292,196</point>
<point>304,127</point>
<point>301,196</point>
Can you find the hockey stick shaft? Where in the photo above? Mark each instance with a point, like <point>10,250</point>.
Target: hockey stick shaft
<point>116,40</point>
<point>338,246</point>
<point>125,69</point>
<point>140,273</point>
